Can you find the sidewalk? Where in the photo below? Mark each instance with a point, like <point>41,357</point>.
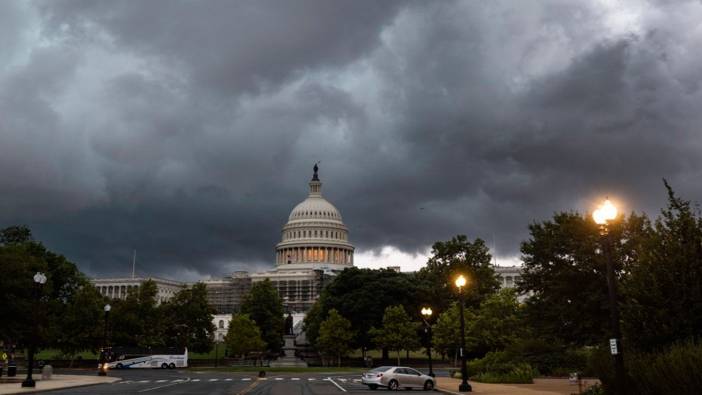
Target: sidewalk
<point>58,381</point>
<point>540,387</point>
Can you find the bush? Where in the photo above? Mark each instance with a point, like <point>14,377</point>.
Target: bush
<point>500,367</point>
<point>550,358</point>
<point>675,370</point>
<point>521,373</point>
<point>594,390</point>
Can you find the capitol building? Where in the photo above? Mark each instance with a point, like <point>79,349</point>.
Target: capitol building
<point>314,247</point>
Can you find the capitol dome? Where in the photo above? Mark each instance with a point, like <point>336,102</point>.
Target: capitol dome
<point>315,236</point>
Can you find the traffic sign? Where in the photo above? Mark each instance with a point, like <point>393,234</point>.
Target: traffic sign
<point>4,356</point>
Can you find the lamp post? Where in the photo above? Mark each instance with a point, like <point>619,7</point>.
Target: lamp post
<point>464,386</point>
<point>603,215</point>
<point>39,280</point>
<point>102,371</point>
<point>426,314</point>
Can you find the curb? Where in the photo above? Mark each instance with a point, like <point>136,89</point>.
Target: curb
<point>37,390</point>
<point>445,391</point>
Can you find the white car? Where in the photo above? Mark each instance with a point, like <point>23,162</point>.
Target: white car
<point>396,377</point>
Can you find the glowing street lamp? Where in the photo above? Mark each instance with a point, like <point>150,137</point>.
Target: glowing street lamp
<point>426,314</point>
<point>464,386</point>
<point>603,216</point>
<point>605,213</point>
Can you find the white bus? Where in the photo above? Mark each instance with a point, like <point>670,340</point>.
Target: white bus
<point>163,359</point>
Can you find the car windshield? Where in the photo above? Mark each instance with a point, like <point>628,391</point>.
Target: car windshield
<point>381,369</point>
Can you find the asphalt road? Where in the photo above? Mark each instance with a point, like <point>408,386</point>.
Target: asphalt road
<point>186,381</point>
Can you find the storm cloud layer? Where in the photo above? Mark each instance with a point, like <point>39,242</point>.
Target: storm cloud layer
<point>187,130</point>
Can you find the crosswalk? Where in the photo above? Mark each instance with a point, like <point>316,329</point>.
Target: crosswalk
<point>343,380</point>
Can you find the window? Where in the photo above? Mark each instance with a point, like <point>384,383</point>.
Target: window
<point>221,323</point>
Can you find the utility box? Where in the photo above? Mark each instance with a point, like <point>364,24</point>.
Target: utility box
<point>46,372</point>
<point>11,369</point>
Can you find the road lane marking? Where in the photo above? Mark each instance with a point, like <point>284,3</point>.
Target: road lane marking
<point>144,381</point>
<point>342,380</point>
<point>336,384</point>
<point>278,378</point>
<point>356,380</point>
<point>174,382</point>
<point>246,379</point>
<point>311,379</point>
<point>227,379</point>
<point>211,380</point>
<point>263,378</point>
<point>295,379</point>
<point>249,387</point>
<point>161,381</point>
<point>195,380</point>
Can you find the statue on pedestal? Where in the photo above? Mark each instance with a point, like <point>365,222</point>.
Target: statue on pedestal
<point>289,325</point>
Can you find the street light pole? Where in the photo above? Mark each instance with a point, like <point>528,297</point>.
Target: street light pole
<point>464,386</point>
<point>102,371</point>
<point>39,280</point>
<point>602,216</point>
<point>426,313</point>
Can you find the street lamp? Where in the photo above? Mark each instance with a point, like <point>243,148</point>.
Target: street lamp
<point>602,216</point>
<point>39,280</point>
<point>102,371</point>
<point>426,314</point>
<point>464,386</point>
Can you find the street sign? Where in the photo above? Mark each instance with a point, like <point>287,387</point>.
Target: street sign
<point>613,347</point>
<point>4,356</point>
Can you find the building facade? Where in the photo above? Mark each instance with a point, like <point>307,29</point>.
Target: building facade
<point>118,288</point>
<point>509,275</point>
<point>226,294</point>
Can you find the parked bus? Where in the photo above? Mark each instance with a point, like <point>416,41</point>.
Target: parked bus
<point>169,358</point>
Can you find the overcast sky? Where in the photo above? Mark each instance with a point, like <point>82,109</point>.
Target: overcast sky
<point>187,130</point>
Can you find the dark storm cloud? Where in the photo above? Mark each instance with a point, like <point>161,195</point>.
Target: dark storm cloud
<point>187,130</point>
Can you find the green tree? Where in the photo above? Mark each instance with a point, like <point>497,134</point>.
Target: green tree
<point>663,293</point>
<point>360,294</point>
<point>398,332</point>
<point>82,325</point>
<point>188,319</point>
<point>264,306</point>
<point>137,320</point>
<point>497,323</point>
<point>447,331</point>
<point>243,336</point>
<point>564,272</point>
<point>449,258</point>
<point>335,336</point>
<point>43,313</point>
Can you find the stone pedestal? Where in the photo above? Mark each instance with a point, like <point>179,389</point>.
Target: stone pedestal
<point>289,359</point>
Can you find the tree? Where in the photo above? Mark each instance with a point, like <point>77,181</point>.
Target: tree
<point>398,332</point>
<point>136,320</point>
<point>663,293</point>
<point>360,294</point>
<point>449,258</point>
<point>82,324</point>
<point>564,272</point>
<point>188,319</point>
<point>44,313</point>
<point>264,306</point>
<point>243,336</point>
<point>447,331</point>
<point>335,336</point>
<point>496,324</point>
